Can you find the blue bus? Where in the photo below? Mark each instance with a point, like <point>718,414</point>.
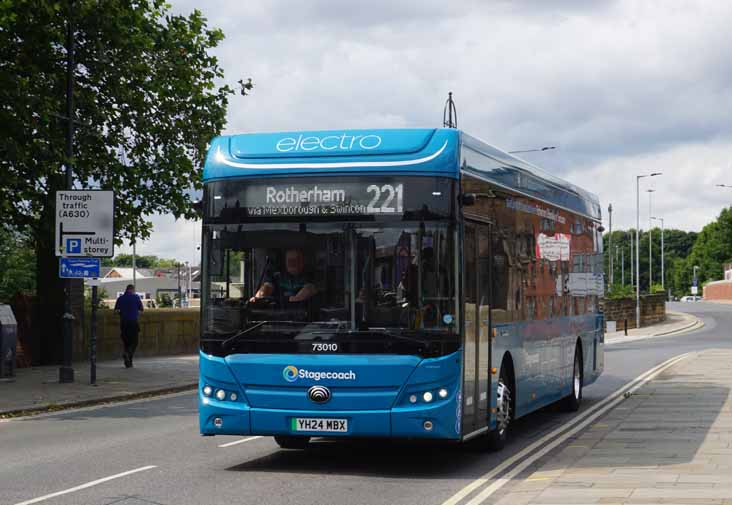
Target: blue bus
<point>405,283</point>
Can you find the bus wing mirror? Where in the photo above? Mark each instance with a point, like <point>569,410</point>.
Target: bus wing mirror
<point>198,207</point>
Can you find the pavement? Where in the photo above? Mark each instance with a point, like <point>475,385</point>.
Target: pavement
<point>37,389</point>
<point>675,323</point>
<point>669,442</point>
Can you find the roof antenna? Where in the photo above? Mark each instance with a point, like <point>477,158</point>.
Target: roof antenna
<point>449,114</point>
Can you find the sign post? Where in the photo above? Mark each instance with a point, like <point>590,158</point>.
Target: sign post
<point>93,337</point>
<point>84,233</point>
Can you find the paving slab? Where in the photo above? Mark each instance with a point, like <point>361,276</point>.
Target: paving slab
<point>671,442</point>
<point>37,388</point>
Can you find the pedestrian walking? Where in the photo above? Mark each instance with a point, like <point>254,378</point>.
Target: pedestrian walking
<point>129,307</point>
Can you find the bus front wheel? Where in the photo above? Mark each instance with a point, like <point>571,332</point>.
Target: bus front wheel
<point>292,442</point>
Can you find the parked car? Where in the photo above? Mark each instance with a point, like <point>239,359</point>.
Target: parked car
<point>691,298</point>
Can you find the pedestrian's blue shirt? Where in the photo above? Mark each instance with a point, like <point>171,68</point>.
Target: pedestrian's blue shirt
<point>129,306</point>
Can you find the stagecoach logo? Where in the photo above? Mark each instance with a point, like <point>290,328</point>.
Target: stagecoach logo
<point>319,394</point>
<point>292,373</point>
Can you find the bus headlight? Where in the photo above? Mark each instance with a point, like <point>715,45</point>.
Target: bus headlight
<point>427,396</point>
<point>442,393</point>
<point>413,399</point>
<point>207,390</point>
<point>221,395</point>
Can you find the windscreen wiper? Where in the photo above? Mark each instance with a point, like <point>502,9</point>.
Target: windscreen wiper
<point>226,342</point>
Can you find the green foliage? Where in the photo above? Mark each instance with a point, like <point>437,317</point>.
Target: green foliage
<point>17,264</point>
<point>677,247</point>
<point>164,300</point>
<point>657,289</point>
<point>148,99</point>
<point>712,249</point>
<point>617,292</point>
<point>101,296</point>
<point>125,260</point>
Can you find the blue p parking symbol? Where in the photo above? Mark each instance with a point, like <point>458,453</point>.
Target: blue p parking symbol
<point>73,245</point>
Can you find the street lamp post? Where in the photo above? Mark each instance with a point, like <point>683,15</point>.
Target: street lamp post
<point>650,239</point>
<point>632,268</point>
<point>663,268</point>
<point>622,266</point>
<point>610,242</point>
<point>637,244</point>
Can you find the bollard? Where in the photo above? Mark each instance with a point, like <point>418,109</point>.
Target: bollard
<point>625,326</point>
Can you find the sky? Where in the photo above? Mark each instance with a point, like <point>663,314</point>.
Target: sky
<point>620,88</point>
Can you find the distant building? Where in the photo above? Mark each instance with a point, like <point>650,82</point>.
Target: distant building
<point>150,283</point>
<point>720,290</point>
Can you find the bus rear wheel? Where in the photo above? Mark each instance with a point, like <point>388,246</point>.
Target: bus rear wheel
<point>572,402</point>
<point>288,442</point>
<point>496,438</point>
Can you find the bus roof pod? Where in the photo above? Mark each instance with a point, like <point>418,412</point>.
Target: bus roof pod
<point>444,152</point>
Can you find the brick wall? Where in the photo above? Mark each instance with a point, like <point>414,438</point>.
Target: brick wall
<point>720,290</point>
<point>653,310</point>
<point>162,332</point>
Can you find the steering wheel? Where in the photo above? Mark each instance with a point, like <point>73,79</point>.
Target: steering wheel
<point>264,301</point>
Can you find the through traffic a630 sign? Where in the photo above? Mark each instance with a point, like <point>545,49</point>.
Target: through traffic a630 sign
<point>85,223</point>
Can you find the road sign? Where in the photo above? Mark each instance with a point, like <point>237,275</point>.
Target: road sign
<point>694,290</point>
<point>85,223</point>
<point>78,268</point>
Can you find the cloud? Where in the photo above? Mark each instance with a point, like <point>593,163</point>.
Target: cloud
<point>618,86</point>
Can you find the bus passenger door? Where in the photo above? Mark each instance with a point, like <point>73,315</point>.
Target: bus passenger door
<point>476,355</point>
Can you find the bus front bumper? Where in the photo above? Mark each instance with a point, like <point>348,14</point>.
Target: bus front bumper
<point>436,421</point>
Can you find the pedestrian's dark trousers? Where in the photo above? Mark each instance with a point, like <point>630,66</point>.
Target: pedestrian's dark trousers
<point>130,331</point>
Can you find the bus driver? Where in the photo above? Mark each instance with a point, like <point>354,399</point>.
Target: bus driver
<point>292,284</point>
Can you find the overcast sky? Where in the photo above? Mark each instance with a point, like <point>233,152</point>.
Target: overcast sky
<point>619,87</point>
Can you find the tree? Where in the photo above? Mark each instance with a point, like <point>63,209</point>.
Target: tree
<point>677,246</point>
<point>147,102</point>
<point>712,249</point>
<point>125,260</point>
<point>17,264</point>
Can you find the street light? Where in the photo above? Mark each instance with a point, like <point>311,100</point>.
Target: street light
<point>547,148</point>
<point>610,243</point>
<point>637,244</point>
<point>663,272</point>
<point>650,240</point>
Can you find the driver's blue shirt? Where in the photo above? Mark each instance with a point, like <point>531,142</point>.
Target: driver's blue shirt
<point>287,284</point>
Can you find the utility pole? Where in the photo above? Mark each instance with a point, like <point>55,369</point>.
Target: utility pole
<point>134,264</point>
<point>66,371</point>
<point>637,245</point>
<point>622,265</point>
<point>663,272</point>
<point>650,240</point>
<point>632,267</point>
<point>610,243</point>
<point>180,299</point>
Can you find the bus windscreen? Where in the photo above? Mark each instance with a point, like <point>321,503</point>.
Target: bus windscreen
<point>384,287</point>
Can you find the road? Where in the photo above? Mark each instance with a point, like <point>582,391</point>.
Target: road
<point>157,441</point>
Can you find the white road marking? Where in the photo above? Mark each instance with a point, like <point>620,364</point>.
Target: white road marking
<point>237,442</point>
<point>87,485</point>
<point>590,414</point>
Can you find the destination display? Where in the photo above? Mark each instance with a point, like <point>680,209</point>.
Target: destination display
<point>328,197</point>
<point>325,199</point>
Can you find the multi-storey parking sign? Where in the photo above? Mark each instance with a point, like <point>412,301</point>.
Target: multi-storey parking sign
<point>85,223</point>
